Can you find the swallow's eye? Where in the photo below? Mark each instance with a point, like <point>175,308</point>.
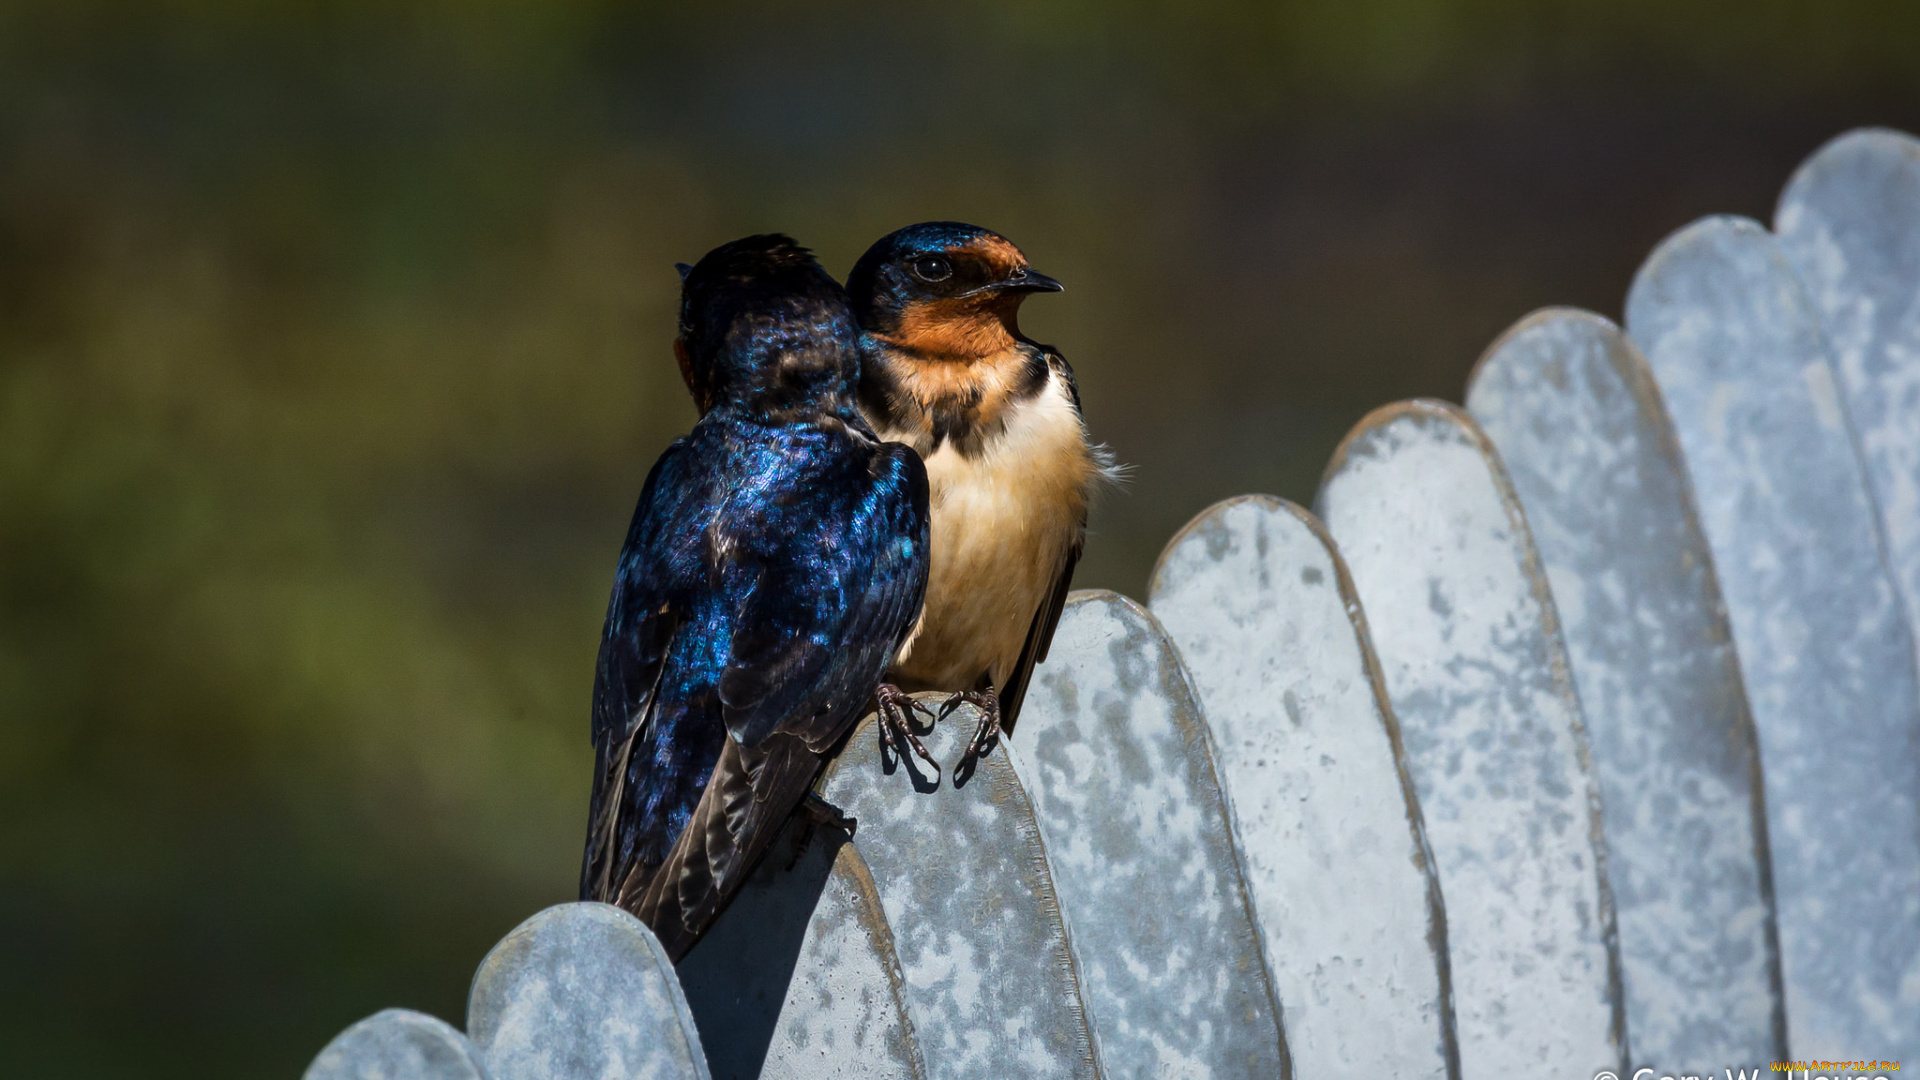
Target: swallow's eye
<point>932,268</point>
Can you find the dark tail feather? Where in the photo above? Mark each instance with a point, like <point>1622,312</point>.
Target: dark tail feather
<point>745,805</point>
<point>597,866</point>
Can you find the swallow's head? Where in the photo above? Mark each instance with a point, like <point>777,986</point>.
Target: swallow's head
<point>760,320</point>
<point>944,290</point>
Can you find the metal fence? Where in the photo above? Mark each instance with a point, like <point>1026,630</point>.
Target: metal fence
<point>1579,732</point>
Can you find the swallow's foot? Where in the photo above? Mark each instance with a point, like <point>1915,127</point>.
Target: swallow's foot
<point>817,812</point>
<point>988,733</point>
<point>895,709</point>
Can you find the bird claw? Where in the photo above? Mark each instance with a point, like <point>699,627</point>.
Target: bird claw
<point>987,735</point>
<point>895,709</point>
<point>817,812</point>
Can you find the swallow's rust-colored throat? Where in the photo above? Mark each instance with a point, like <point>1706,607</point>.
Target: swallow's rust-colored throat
<point>963,330</point>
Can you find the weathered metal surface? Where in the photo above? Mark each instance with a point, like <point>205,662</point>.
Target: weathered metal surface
<point>798,978</point>
<point>582,992</point>
<point>1580,427</point>
<point>398,1044</point>
<point>1850,223</point>
<point>1268,624</point>
<point>963,879</point>
<point>1465,629</point>
<point>1742,365</point>
<point>1113,749</point>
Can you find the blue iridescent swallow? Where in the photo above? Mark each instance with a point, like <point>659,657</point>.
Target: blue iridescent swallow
<point>775,567</point>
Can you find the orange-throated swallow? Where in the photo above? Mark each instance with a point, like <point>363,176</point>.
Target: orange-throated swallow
<point>996,417</point>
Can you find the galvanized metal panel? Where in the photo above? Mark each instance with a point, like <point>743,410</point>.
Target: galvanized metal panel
<point>1267,622</point>
<point>798,979</point>
<point>990,982</point>
<point>1850,223</point>
<point>1465,629</point>
<point>1112,746</point>
<point>398,1044</point>
<point>1571,405</point>
<point>582,992</point>
<point>1743,367</point>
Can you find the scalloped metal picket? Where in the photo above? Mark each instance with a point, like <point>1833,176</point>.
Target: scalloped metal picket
<point>1849,221</point>
<point>1264,614</point>
<point>1464,625</point>
<point>799,980</point>
<point>1743,366</point>
<point>582,992</point>
<point>1573,409</point>
<point>966,887</point>
<point>1112,747</point>
<point>398,1044</point>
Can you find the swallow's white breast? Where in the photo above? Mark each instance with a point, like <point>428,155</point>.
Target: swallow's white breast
<point>1002,521</point>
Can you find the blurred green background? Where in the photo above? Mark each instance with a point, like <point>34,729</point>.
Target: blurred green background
<point>333,352</point>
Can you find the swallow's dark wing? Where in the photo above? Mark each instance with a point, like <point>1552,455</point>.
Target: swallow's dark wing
<point>817,635</point>
<point>828,608</point>
<point>1064,372</point>
<point>643,618</point>
<point>1040,635</point>
<point>1047,619</point>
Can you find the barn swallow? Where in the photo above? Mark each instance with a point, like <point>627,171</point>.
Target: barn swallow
<point>996,417</point>
<point>774,568</point>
